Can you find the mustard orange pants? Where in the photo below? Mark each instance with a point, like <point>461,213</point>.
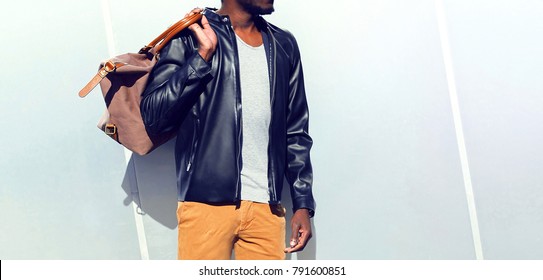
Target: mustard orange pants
<point>254,231</point>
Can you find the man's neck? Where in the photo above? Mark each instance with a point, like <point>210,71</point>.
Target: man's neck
<point>242,21</point>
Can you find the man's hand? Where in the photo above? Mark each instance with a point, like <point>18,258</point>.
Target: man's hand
<point>301,231</point>
<point>206,37</point>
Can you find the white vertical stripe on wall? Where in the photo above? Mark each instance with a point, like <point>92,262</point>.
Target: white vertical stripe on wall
<point>449,71</point>
<point>142,239</point>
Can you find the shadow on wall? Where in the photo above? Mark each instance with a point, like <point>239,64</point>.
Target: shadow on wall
<point>150,181</point>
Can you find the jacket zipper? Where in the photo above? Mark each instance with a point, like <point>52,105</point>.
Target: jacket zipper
<point>237,112</point>
<point>272,74</point>
<point>194,144</point>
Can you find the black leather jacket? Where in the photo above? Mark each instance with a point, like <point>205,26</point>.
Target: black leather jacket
<point>203,102</point>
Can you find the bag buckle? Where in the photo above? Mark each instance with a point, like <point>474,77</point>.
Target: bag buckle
<point>110,129</point>
<point>145,49</point>
<point>107,68</point>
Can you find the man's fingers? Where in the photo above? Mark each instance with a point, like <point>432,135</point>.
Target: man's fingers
<point>294,241</point>
<point>206,37</point>
<point>197,30</point>
<point>302,240</point>
<point>298,239</point>
<point>200,32</point>
<point>193,11</point>
<point>294,237</point>
<point>205,23</point>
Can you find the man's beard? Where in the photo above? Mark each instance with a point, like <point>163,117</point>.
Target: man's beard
<point>256,10</point>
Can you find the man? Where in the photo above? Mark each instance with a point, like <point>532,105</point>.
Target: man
<point>233,88</point>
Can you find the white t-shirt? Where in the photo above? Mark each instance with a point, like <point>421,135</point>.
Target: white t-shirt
<point>255,116</point>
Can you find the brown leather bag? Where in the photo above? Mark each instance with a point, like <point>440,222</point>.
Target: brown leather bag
<point>122,80</point>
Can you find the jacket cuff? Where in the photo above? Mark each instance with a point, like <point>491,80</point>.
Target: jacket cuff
<point>201,68</point>
<point>304,202</point>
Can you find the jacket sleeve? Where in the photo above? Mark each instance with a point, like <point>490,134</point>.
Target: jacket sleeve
<point>174,85</point>
<point>299,172</point>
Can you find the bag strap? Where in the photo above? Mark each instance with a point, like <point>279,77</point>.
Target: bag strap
<point>157,44</point>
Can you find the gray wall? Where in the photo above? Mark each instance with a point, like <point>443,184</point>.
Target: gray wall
<point>426,126</point>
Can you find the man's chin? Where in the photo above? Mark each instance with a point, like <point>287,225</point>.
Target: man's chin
<point>255,10</point>
<point>267,11</point>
